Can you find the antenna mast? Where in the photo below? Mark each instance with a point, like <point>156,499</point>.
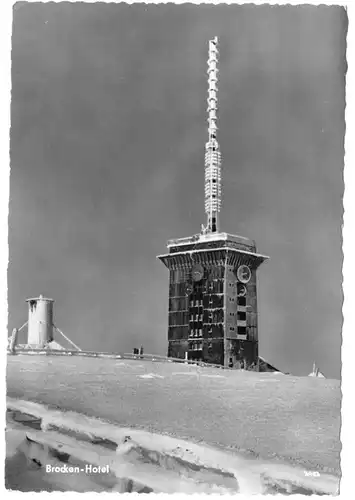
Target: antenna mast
<point>213,188</point>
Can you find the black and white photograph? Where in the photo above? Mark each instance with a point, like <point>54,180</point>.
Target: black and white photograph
<point>174,279</point>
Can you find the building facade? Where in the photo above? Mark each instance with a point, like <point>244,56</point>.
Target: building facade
<point>213,312</point>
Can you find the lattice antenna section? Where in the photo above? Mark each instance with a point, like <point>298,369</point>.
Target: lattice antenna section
<point>213,187</point>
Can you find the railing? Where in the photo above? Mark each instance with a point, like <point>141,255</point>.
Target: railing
<point>92,354</point>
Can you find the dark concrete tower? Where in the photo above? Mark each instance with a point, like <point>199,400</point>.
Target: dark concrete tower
<point>213,313</point>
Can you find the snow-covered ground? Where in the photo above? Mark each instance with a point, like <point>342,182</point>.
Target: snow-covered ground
<point>128,459</point>
<point>168,427</point>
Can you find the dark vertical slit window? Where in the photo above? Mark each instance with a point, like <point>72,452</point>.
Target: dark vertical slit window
<point>242,301</point>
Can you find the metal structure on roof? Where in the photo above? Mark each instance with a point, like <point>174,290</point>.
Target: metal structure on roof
<point>213,187</point>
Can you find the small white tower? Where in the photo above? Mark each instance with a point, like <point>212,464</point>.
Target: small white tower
<point>40,321</point>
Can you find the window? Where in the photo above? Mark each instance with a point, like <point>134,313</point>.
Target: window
<point>242,330</point>
<point>242,316</point>
<point>242,301</point>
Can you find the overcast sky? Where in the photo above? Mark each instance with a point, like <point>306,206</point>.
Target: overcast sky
<point>107,152</point>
